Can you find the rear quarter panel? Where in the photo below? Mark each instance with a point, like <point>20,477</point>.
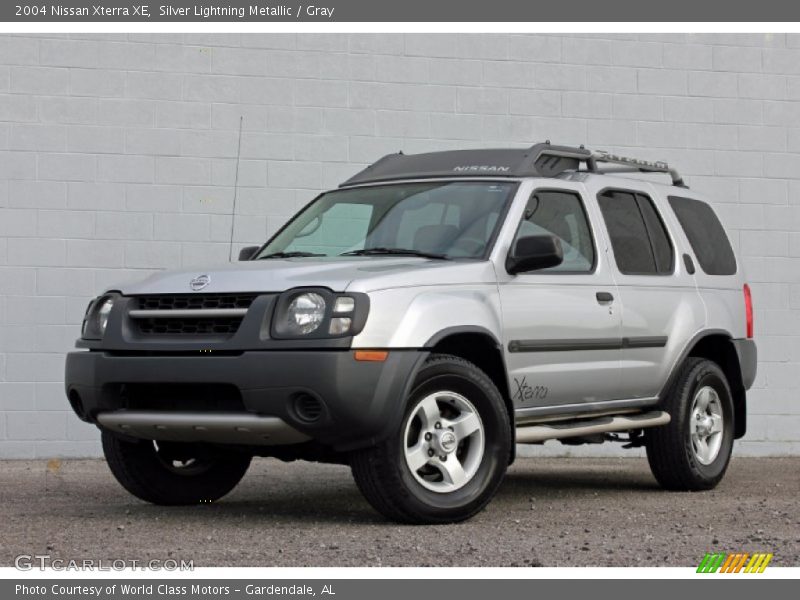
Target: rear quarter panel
<point>722,295</point>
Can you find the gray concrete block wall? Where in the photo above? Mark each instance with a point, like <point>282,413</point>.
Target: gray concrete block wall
<point>117,157</point>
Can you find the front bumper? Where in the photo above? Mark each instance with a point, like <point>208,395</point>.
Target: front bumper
<point>362,402</point>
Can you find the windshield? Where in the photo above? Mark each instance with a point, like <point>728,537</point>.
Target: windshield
<point>439,220</point>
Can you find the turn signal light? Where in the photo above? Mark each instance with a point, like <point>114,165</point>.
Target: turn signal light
<point>371,355</point>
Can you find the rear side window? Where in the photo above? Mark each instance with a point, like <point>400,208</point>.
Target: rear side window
<point>638,237</point>
<point>706,235</point>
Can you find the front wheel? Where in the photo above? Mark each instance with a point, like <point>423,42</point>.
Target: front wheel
<point>171,473</point>
<point>448,457</point>
<point>692,452</point>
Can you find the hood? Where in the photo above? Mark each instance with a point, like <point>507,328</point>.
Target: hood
<point>363,274</point>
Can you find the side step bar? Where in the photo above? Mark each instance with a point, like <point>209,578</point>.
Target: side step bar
<point>566,429</point>
<point>220,428</point>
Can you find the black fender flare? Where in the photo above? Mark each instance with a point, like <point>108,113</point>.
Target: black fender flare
<point>735,378</point>
<point>443,334</point>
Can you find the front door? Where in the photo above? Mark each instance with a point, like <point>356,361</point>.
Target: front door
<point>562,326</point>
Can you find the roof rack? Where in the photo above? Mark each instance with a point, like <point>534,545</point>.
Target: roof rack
<point>632,165</point>
<point>540,160</point>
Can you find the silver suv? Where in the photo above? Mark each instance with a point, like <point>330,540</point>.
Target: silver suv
<point>423,318</point>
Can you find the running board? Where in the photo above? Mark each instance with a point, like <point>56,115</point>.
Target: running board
<point>534,434</point>
<point>220,428</point>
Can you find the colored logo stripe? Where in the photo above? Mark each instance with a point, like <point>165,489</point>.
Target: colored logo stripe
<point>734,563</point>
<point>711,562</point>
<point>726,566</point>
<point>758,563</point>
<point>740,564</point>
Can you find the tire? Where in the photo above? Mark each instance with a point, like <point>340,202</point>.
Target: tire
<point>173,474</point>
<point>678,459</point>
<point>475,435</point>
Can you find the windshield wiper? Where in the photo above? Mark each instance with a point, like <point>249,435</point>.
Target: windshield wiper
<point>289,255</point>
<point>394,252</point>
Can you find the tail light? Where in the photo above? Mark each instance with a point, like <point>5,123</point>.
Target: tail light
<point>748,309</point>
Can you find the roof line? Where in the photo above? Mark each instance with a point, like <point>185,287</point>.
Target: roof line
<point>540,160</point>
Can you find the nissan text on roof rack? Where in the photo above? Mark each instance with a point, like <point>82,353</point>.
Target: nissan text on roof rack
<point>423,318</point>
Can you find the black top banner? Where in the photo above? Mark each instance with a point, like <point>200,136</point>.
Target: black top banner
<point>176,11</point>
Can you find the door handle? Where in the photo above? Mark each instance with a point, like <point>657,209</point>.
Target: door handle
<point>604,297</point>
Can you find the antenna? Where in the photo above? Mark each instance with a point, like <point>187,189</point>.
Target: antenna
<point>235,188</point>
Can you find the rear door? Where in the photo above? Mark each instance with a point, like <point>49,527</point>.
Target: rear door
<point>561,325</point>
<point>660,304</point>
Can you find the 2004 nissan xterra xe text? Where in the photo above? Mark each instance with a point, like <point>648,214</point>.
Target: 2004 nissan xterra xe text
<point>423,318</point>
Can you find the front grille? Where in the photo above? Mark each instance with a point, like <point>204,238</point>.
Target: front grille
<point>195,301</point>
<point>207,325</point>
<point>189,326</point>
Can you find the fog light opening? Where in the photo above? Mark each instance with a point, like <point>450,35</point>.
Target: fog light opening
<point>307,408</point>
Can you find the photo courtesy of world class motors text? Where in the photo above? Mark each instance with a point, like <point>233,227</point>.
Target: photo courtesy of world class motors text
<point>165,589</point>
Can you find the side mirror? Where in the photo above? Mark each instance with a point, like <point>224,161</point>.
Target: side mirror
<point>248,252</point>
<point>534,252</point>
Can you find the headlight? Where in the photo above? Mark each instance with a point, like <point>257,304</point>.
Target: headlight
<point>305,313</point>
<point>96,320</point>
<point>102,314</point>
<point>316,313</point>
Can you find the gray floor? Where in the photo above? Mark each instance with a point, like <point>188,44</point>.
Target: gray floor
<point>549,512</point>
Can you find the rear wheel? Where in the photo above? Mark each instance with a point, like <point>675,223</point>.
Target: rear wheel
<point>692,452</point>
<point>171,473</point>
<point>448,457</point>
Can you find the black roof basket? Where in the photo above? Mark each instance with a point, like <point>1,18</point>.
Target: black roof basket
<point>540,160</point>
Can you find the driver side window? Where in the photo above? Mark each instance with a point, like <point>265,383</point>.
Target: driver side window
<point>561,214</point>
